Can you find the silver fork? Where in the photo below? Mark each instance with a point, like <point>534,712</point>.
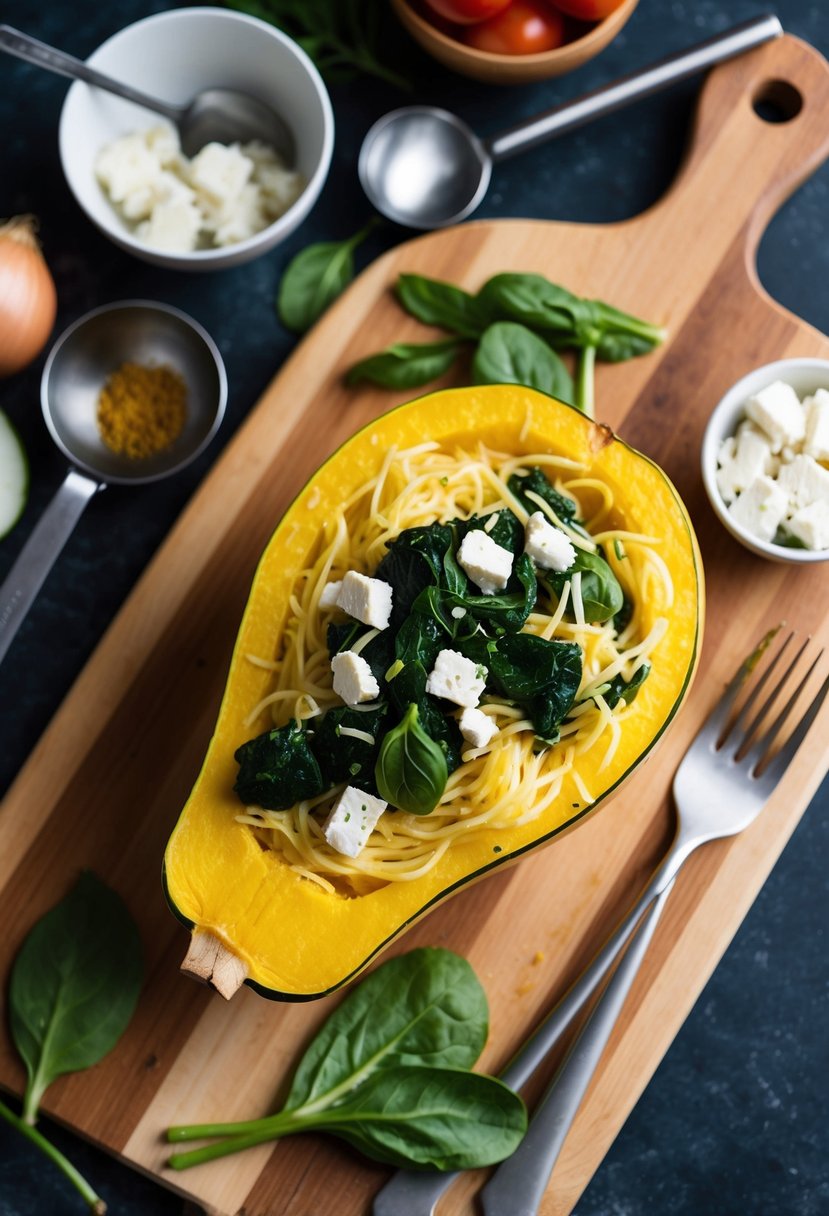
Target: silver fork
<point>720,787</point>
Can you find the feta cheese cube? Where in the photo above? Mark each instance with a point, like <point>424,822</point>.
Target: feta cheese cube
<point>244,218</point>
<point>477,727</point>
<point>353,679</point>
<point>220,172</point>
<point>804,481</point>
<point>777,410</point>
<point>761,507</point>
<point>366,599</point>
<point>811,525</point>
<point>487,563</point>
<point>138,204</point>
<point>817,425</point>
<point>457,679</point>
<point>174,226</point>
<point>330,594</point>
<point>750,458</point>
<point>546,545</point>
<point>163,142</point>
<point>352,820</point>
<point>126,165</point>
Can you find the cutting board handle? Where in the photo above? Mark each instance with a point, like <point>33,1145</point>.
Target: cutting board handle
<point>740,167</point>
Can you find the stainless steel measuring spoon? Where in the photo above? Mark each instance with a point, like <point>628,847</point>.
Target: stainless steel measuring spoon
<point>136,331</point>
<point>425,168</point>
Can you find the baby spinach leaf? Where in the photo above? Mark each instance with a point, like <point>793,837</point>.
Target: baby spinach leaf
<point>601,592</point>
<point>535,301</point>
<point>536,481</point>
<point>314,278</point>
<point>436,1118</point>
<point>411,771</point>
<point>436,303</point>
<point>509,353</point>
<point>278,769</point>
<point>625,690</point>
<point>74,986</point>
<point>341,757</point>
<point>406,364</point>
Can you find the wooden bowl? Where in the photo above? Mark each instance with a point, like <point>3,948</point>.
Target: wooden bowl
<point>511,69</point>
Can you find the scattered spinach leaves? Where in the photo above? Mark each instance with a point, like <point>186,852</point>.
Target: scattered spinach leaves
<point>277,769</point>
<point>344,757</point>
<point>436,303</point>
<point>512,354</point>
<point>73,990</point>
<point>536,483</point>
<point>314,278</point>
<point>621,689</point>
<point>407,364</point>
<point>388,1072</point>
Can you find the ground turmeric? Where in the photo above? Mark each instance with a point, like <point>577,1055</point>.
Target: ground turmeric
<point>141,410</point>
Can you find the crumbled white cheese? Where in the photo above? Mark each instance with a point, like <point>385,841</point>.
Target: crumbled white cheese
<point>777,410</point>
<point>816,444</point>
<point>749,456</point>
<point>330,594</point>
<point>548,546</point>
<point>761,508</point>
<point>810,525</point>
<point>366,599</point>
<point>804,482</point>
<point>236,190</point>
<point>457,679</point>
<point>353,678</point>
<point>477,727</point>
<point>352,820</point>
<point>487,563</point>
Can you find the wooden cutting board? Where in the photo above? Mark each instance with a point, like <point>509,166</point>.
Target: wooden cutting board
<point>105,784</point>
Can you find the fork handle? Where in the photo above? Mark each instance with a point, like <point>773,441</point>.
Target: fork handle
<point>518,1184</point>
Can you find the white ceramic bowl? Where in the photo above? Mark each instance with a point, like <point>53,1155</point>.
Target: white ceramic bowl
<point>174,55</point>
<point>805,376</point>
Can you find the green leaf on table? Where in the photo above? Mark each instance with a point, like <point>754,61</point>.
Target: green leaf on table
<point>314,278</point>
<point>443,304</point>
<point>74,986</point>
<point>509,353</point>
<point>406,364</point>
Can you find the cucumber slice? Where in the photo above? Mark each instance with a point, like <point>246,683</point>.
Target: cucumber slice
<point>14,476</point>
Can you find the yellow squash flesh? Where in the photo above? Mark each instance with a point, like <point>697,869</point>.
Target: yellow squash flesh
<point>296,940</point>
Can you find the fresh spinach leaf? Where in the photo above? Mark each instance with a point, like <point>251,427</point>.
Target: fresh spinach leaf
<point>406,364</point>
<point>277,769</point>
<point>601,591</point>
<point>388,1073</point>
<point>73,990</point>
<point>534,301</point>
<point>536,482</point>
<point>342,757</point>
<point>621,689</point>
<point>314,278</point>
<point>436,303</point>
<point>509,353</point>
<point>411,771</point>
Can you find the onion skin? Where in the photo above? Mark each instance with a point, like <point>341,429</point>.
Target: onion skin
<point>28,300</point>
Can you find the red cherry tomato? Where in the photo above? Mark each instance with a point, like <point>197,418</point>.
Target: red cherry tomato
<point>588,10</point>
<point>467,12</point>
<point>525,28</point>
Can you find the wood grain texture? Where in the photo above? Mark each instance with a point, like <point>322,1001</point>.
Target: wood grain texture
<point>105,784</point>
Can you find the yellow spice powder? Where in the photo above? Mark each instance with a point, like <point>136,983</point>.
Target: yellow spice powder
<point>141,410</point>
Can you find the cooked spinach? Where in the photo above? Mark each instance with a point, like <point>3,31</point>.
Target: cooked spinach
<point>512,354</point>
<point>414,561</point>
<point>601,591</point>
<point>73,990</point>
<point>506,610</point>
<point>443,728</point>
<point>278,769</point>
<point>411,770</point>
<point>623,617</point>
<point>378,653</point>
<point>342,757</point>
<point>436,303</point>
<point>537,483</point>
<point>406,364</point>
<point>620,689</point>
<point>541,675</point>
<point>388,1072</point>
<point>507,531</point>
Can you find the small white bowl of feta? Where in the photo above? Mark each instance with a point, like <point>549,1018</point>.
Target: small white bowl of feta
<point>765,460</point>
<point>228,204</point>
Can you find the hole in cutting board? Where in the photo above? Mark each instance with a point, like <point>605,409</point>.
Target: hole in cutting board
<point>777,101</point>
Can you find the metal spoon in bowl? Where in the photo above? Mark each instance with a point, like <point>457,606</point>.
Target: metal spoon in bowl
<point>87,352</point>
<point>223,116</point>
<point>423,167</point>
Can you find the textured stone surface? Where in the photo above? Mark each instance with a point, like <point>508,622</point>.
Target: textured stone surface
<point>734,1123</point>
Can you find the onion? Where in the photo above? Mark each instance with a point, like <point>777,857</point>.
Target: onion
<point>28,301</point>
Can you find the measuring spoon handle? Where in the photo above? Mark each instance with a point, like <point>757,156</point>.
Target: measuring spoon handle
<point>51,532</point>
<point>44,56</point>
<point>668,71</point>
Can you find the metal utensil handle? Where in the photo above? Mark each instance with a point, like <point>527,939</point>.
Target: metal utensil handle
<point>37,556</point>
<point>519,1183</point>
<point>623,92</point>
<point>410,1193</point>
<point>44,56</point>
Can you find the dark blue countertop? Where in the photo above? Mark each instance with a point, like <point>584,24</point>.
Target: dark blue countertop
<point>735,1121</point>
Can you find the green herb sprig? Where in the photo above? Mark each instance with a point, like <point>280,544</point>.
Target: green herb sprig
<point>73,989</point>
<point>389,1073</point>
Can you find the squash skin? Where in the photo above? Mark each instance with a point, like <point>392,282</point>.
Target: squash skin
<point>299,942</point>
